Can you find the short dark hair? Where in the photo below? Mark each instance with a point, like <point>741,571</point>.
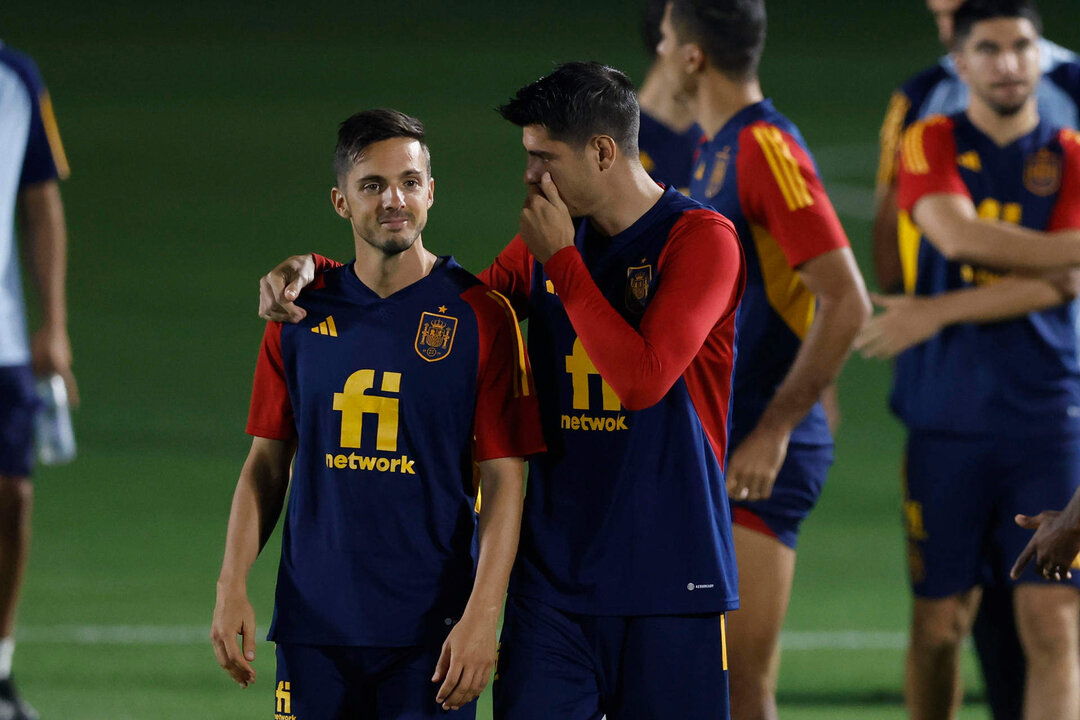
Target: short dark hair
<point>578,101</point>
<point>730,32</point>
<point>974,11</point>
<point>368,127</point>
<point>650,24</point>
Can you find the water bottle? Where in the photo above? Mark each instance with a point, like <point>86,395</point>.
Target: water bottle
<point>55,436</point>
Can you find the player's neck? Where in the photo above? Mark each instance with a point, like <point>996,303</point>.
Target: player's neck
<point>720,97</point>
<point>657,99</point>
<point>385,274</point>
<point>1003,129</point>
<point>630,195</point>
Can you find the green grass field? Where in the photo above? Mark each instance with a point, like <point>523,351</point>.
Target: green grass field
<point>200,136</point>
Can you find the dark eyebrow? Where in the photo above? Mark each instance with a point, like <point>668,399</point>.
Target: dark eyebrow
<point>540,154</point>
<point>987,45</point>
<point>371,178</point>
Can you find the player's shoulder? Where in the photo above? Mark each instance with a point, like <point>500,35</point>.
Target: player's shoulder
<point>23,66</point>
<point>924,138</point>
<point>769,127</point>
<point>1069,140</point>
<point>487,304</point>
<point>916,88</point>
<point>693,219</point>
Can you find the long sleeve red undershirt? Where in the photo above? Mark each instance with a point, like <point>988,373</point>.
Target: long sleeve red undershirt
<point>701,276</point>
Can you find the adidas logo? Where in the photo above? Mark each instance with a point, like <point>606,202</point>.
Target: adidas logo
<point>326,327</point>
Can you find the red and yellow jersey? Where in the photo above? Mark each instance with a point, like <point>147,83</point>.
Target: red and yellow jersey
<point>757,172</point>
<point>1015,377</point>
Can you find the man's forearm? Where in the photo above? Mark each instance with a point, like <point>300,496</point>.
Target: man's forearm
<point>41,218</point>
<point>887,264</point>
<point>1008,298</point>
<point>256,506</point>
<point>818,361</point>
<point>503,487</point>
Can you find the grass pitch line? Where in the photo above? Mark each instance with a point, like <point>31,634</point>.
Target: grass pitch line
<point>792,641</point>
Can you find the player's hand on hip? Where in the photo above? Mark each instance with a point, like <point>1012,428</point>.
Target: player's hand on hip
<point>233,616</point>
<point>466,661</point>
<point>903,324</point>
<point>546,226</point>
<point>282,285</point>
<point>755,463</point>
<point>50,352</point>
<point>1053,548</point>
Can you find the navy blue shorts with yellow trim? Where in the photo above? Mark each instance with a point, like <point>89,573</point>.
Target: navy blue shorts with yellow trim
<point>795,493</point>
<point>18,403</point>
<point>554,664</point>
<point>962,495</point>
<point>359,683</point>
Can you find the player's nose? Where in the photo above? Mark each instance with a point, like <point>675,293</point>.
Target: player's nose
<point>394,197</point>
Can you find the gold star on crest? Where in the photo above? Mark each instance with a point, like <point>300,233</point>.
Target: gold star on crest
<point>442,308</point>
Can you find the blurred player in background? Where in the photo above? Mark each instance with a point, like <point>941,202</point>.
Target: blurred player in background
<point>804,303</point>
<point>669,137</point>
<point>938,90</point>
<point>31,162</point>
<point>618,599</point>
<point>407,372</point>
<point>991,404</point>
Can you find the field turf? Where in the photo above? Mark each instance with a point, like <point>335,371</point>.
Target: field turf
<point>200,136</point>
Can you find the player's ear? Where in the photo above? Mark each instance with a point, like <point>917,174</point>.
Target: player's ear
<point>606,150</point>
<point>431,192</point>
<point>341,206</point>
<point>693,58</point>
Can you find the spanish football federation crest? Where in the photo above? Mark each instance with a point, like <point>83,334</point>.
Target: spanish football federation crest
<point>716,180</point>
<point>435,336</point>
<point>1042,173</point>
<point>638,280</point>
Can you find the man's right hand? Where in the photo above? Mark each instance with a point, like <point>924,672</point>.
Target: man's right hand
<point>282,285</point>
<point>233,615</point>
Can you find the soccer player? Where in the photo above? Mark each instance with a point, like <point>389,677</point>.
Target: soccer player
<point>626,568</point>
<point>991,408</point>
<point>406,372</point>
<point>804,303</point>
<point>31,162</point>
<point>938,90</point>
<point>668,137</point>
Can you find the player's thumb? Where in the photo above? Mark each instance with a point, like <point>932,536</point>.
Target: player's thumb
<point>443,666</point>
<point>292,289</point>
<point>1029,523</point>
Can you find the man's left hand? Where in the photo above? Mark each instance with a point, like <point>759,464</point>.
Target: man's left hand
<point>546,226</point>
<point>903,325</point>
<point>466,662</point>
<point>50,350</point>
<point>755,463</point>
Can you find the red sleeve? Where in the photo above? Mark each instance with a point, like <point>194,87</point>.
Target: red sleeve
<point>511,275</point>
<point>779,189</point>
<point>1066,214</point>
<point>702,274</point>
<point>928,163</point>
<point>507,418</point>
<point>271,414</point>
<point>322,264</point>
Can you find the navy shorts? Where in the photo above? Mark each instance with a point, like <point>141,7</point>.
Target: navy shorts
<point>359,683</point>
<point>962,495</point>
<point>561,665</point>
<point>795,493</point>
<point>18,403</point>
